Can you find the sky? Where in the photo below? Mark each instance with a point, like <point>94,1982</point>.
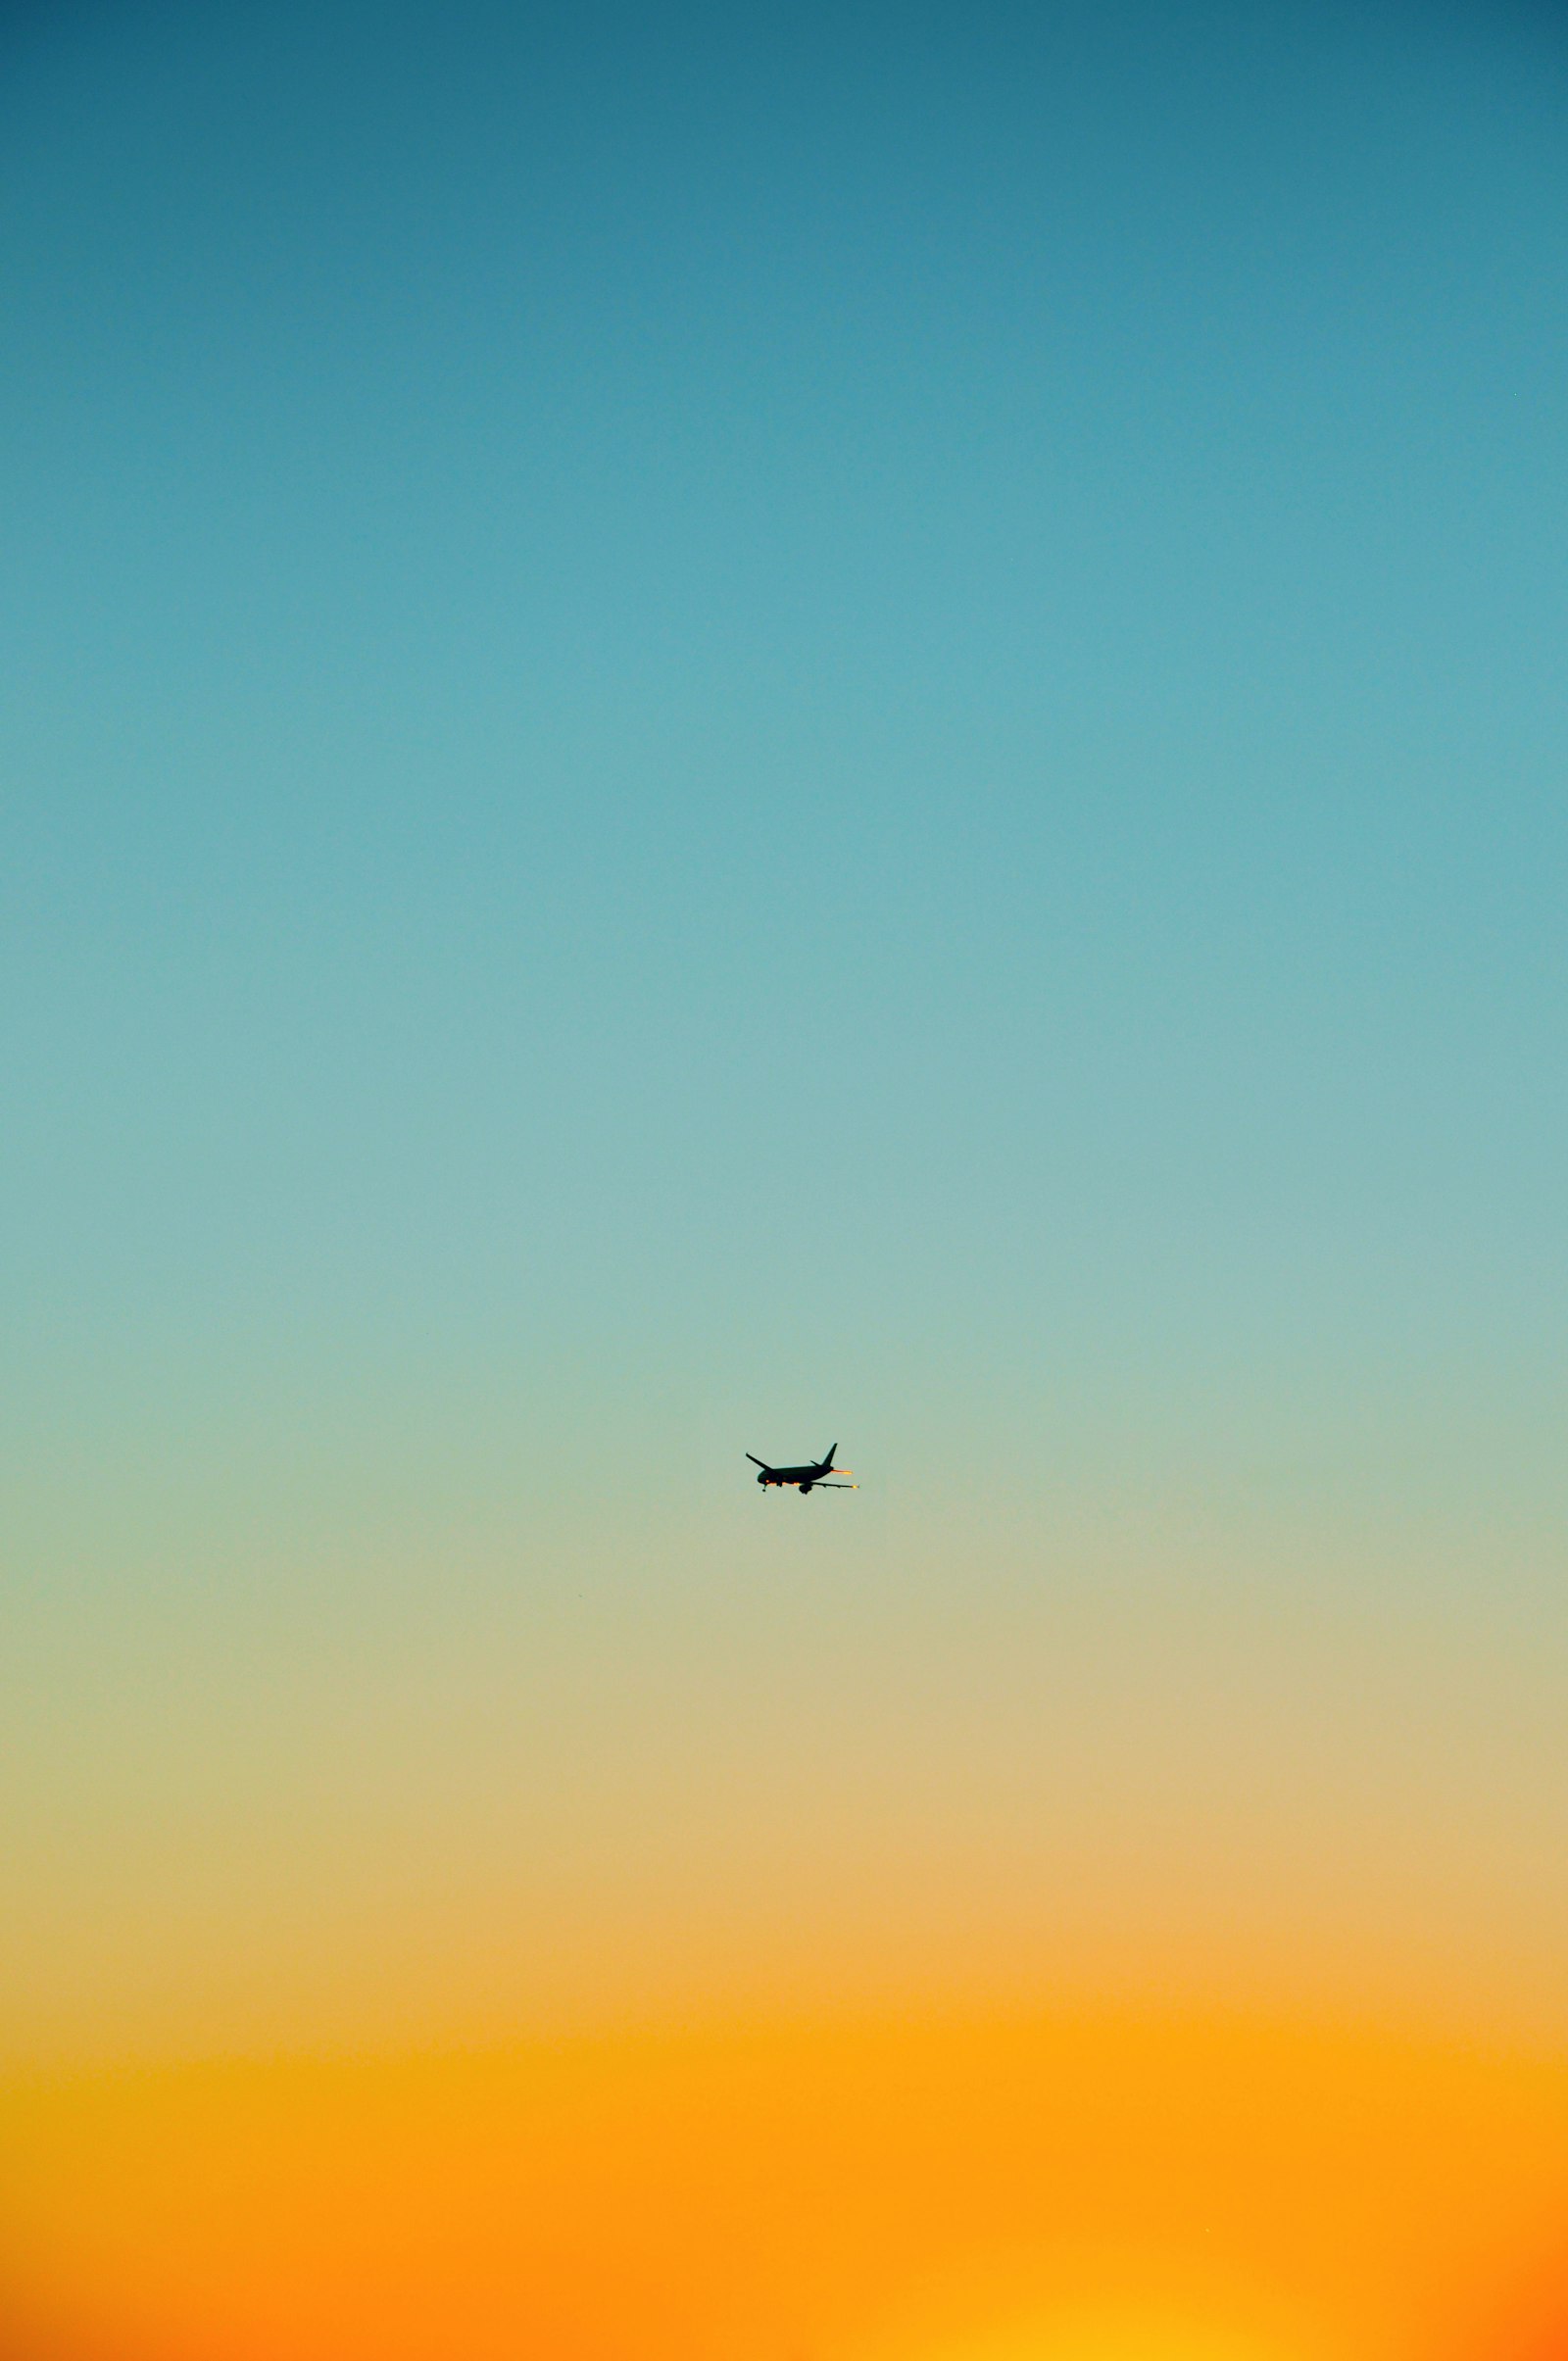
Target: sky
<point>729,729</point>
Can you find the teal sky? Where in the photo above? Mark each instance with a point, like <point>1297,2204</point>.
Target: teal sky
<point>730,727</point>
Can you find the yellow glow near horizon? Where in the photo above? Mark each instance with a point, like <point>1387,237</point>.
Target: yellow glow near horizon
<point>1115,2331</point>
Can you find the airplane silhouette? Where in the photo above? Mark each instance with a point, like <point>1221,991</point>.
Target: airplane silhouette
<point>813,1476</point>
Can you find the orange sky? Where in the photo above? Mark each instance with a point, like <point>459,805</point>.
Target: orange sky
<point>1094,2189</point>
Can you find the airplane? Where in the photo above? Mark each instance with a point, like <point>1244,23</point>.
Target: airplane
<point>816,1476</point>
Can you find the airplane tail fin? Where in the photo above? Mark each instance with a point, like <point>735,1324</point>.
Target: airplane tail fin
<point>827,1461</point>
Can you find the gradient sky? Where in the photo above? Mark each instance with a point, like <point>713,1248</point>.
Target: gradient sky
<point>725,729</point>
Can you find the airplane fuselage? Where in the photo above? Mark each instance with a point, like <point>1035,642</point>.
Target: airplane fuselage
<point>805,1477</point>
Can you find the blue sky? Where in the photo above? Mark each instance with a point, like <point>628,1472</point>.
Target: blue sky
<point>726,727</point>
